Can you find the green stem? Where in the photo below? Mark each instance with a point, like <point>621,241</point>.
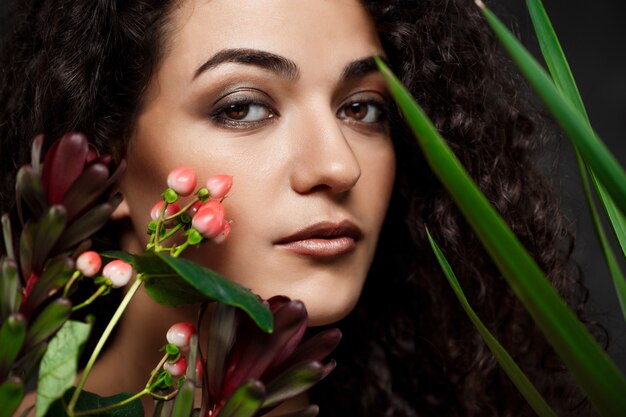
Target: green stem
<point>156,370</point>
<point>70,282</point>
<point>180,249</point>
<point>112,406</point>
<point>88,301</point>
<point>105,335</point>
<point>171,232</point>
<point>184,209</point>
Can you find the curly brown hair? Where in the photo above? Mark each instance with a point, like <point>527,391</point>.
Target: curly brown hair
<point>408,349</point>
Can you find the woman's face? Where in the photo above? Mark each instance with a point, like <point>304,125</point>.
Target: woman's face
<point>283,96</point>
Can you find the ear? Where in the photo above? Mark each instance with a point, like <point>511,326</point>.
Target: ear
<point>121,212</point>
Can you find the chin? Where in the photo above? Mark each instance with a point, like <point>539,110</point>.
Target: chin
<point>329,307</point>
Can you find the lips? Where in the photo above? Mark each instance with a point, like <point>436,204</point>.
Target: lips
<point>323,240</point>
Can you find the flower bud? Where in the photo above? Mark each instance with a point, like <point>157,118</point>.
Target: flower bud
<point>89,263</point>
<point>223,235</point>
<point>170,210</point>
<point>209,220</point>
<point>182,180</point>
<point>180,333</point>
<point>177,368</point>
<point>119,272</point>
<point>219,185</point>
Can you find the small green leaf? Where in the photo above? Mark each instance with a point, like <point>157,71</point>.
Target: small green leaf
<point>7,235</point>
<point>48,321</point>
<point>58,365</point>
<point>45,234</point>
<point>175,281</point>
<point>87,224</point>
<point>526,388</point>
<point>90,401</point>
<point>118,254</point>
<point>10,288</point>
<point>58,271</point>
<point>183,404</point>
<point>11,394</point>
<point>12,334</point>
<point>310,411</point>
<point>29,188</point>
<point>293,381</point>
<point>245,401</point>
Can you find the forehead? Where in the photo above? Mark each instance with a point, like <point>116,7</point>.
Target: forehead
<point>311,33</point>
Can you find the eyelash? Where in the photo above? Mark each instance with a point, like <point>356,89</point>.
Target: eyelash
<point>217,116</point>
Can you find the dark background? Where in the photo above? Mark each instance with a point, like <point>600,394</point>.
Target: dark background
<point>592,35</point>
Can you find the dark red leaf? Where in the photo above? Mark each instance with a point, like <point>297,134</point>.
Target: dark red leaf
<point>63,164</point>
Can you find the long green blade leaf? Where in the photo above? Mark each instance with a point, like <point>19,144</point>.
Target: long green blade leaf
<point>564,80</point>
<point>590,365</point>
<point>599,158</point>
<point>526,388</point>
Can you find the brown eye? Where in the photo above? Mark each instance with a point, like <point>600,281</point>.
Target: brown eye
<point>356,111</point>
<point>237,111</point>
<point>368,112</point>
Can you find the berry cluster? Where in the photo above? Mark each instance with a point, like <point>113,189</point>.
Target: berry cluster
<point>201,219</point>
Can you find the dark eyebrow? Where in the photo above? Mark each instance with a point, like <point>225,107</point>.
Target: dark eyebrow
<point>360,68</point>
<point>280,65</point>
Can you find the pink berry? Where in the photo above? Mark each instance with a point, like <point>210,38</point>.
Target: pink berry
<point>219,185</point>
<point>170,210</point>
<point>182,180</point>
<point>180,333</point>
<point>89,263</point>
<point>177,368</point>
<point>194,208</point>
<point>119,272</point>
<point>209,219</point>
<point>223,235</point>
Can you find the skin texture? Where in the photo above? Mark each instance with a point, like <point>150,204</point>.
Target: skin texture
<point>304,161</point>
<point>308,159</point>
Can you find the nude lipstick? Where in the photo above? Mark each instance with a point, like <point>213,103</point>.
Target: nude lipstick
<point>323,240</point>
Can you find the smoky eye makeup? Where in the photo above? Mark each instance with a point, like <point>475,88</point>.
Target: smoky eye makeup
<point>242,108</point>
<point>365,111</point>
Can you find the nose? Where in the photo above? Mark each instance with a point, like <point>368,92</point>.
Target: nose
<point>323,158</point>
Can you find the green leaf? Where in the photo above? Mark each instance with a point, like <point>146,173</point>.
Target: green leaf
<point>11,394</point>
<point>595,153</point>
<point>118,254</point>
<point>183,404</point>
<point>87,224</point>
<point>592,368</point>
<point>7,235</point>
<point>58,365</point>
<point>564,80</point>
<point>310,411</point>
<point>48,321</point>
<point>245,401</point>
<point>10,288</point>
<point>44,234</point>
<point>175,281</point>
<point>90,401</point>
<point>294,381</point>
<point>526,388</point>
<point>58,271</point>
<point>29,188</point>
<point>12,334</point>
